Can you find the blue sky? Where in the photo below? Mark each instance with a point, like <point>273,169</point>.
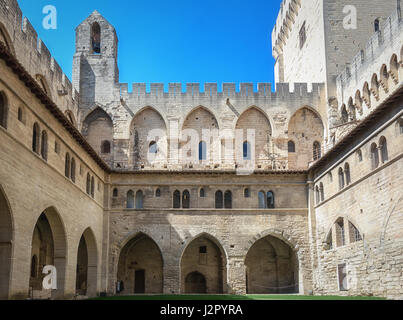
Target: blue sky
<point>172,41</point>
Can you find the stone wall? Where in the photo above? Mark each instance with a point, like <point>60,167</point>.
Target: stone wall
<point>32,185</point>
<point>233,231</point>
<point>372,202</point>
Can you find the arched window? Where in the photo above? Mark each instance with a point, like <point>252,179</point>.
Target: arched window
<point>67,166</point>
<point>355,235</point>
<point>341,179</point>
<point>202,193</point>
<point>186,199</point>
<point>228,200</point>
<point>322,192</point>
<point>105,147</point>
<point>383,147</point>
<point>202,151</point>
<point>73,170</point>
<point>377,25</point>
<point>130,200</point>
<point>96,38</point>
<point>246,193</point>
<point>177,199</point>
<point>36,138</point>
<point>115,193</point>
<point>139,200</point>
<point>34,266</point>
<point>158,193</point>
<point>317,192</point>
<point>347,173</point>
<point>219,200</point>
<point>340,233</point>
<point>88,184</point>
<point>374,156</point>
<point>400,126</point>
<point>44,145</point>
<point>317,154</point>
<point>92,187</point>
<point>246,151</point>
<point>270,200</point>
<point>330,175</point>
<point>3,111</point>
<point>291,146</point>
<point>153,148</point>
<point>262,200</point>
<point>359,156</point>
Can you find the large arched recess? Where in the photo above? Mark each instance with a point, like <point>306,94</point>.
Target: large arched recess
<point>256,119</point>
<point>304,129</point>
<point>87,265</point>
<point>205,124</point>
<point>147,127</point>
<point>6,237</point>
<point>140,266</point>
<point>203,259</point>
<point>6,39</point>
<point>271,267</point>
<point>49,247</point>
<point>98,129</point>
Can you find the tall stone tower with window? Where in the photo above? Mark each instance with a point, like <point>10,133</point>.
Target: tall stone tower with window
<point>95,68</point>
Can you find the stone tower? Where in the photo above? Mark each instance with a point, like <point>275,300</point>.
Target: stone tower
<point>95,68</point>
<point>313,43</point>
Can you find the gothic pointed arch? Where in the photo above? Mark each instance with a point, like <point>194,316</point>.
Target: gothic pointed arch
<point>148,126</point>
<point>203,122</point>
<point>49,244</point>
<point>205,255</point>
<point>6,240</point>
<point>271,267</point>
<point>303,137</point>
<point>255,119</point>
<point>98,128</point>
<point>87,265</point>
<point>6,39</point>
<point>140,266</point>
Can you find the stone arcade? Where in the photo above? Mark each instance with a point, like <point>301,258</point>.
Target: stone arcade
<point>321,213</point>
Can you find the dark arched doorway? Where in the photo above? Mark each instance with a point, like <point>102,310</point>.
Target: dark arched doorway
<point>140,267</point>
<point>87,265</point>
<point>5,246</point>
<point>271,267</point>
<point>195,283</point>
<point>48,249</point>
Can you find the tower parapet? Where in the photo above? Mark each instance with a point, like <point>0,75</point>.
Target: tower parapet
<point>363,85</point>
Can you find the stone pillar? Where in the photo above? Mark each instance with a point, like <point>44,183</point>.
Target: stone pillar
<point>172,279</point>
<point>236,276</point>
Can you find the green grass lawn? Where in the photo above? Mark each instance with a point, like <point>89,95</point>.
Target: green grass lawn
<point>233,297</point>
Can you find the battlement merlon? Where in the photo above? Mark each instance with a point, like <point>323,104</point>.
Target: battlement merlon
<point>369,60</point>
<point>24,38</point>
<point>283,91</point>
<point>285,20</point>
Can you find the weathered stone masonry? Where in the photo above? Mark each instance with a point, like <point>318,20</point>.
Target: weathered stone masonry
<point>320,214</point>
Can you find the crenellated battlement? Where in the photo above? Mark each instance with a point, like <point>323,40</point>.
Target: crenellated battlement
<point>369,62</point>
<point>36,57</point>
<point>284,91</point>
